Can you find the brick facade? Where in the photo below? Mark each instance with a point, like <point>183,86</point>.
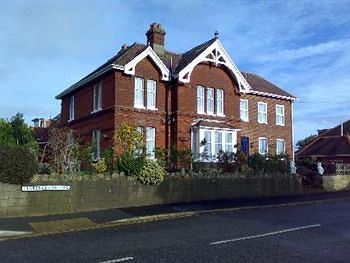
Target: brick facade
<point>176,102</point>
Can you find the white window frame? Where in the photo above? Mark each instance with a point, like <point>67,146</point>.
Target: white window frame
<point>200,99</point>
<point>284,146</point>
<point>227,143</point>
<point>151,94</point>
<point>71,108</point>
<point>267,145</point>
<point>210,101</point>
<point>97,97</point>
<point>211,145</point>
<point>220,102</point>
<point>150,142</point>
<point>244,110</point>
<point>139,93</point>
<point>96,141</point>
<point>262,113</point>
<point>281,115</point>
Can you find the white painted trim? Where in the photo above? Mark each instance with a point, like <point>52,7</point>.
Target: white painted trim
<point>284,115</point>
<point>255,92</point>
<point>247,120</point>
<point>292,117</point>
<point>260,102</point>
<point>129,68</point>
<point>284,145</point>
<point>267,145</point>
<point>228,62</point>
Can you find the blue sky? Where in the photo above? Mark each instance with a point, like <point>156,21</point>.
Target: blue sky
<point>301,46</point>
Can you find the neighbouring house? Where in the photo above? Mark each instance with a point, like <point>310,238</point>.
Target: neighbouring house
<point>331,146</point>
<point>196,100</point>
<point>41,130</point>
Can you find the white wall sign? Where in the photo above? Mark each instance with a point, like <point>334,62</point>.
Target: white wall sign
<point>38,188</point>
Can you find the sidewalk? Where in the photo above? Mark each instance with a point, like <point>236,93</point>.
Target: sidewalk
<point>85,220</point>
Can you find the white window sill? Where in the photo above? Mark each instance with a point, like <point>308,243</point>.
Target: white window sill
<point>201,112</point>
<point>245,120</point>
<point>70,120</point>
<point>221,115</point>
<point>94,111</point>
<point>139,107</point>
<point>152,108</point>
<point>279,124</point>
<point>262,122</point>
<point>211,114</point>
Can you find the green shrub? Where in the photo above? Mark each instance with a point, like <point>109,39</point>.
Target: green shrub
<point>17,164</point>
<point>151,173</point>
<point>44,168</point>
<point>130,164</point>
<point>100,166</point>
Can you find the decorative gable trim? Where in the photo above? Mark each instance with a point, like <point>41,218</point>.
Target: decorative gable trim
<point>129,68</point>
<point>216,54</point>
<point>266,94</point>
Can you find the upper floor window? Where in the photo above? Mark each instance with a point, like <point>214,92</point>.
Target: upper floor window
<point>210,101</point>
<point>150,141</point>
<point>151,94</point>
<point>220,102</point>
<point>200,99</point>
<point>263,148</point>
<point>280,115</point>
<point>71,108</point>
<point>97,97</point>
<point>280,146</point>
<point>244,113</point>
<point>96,144</point>
<point>139,94</point>
<point>262,112</point>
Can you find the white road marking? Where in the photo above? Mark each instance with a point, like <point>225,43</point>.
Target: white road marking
<point>8,233</point>
<point>264,235</point>
<point>118,260</point>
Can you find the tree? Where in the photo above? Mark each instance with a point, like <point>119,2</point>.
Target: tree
<point>16,131</point>
<point>6,137</point>
<point>303,142</point>
<point>129,139</point>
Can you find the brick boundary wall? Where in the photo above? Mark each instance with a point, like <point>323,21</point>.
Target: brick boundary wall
<point>123,192</point>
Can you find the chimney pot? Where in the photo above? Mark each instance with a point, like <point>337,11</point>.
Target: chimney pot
<point>124,47</point>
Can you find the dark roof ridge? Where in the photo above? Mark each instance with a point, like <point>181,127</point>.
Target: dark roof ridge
<point>334,128</point>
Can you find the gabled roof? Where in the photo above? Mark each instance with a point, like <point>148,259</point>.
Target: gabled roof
<point>327,146</point>
<point>337,130</point>
<point>190,55</point>
<point>261,86</point>
<point>175,63</point>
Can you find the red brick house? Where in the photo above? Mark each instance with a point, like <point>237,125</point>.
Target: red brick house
<point>197,100</point>
<point>331,146</point>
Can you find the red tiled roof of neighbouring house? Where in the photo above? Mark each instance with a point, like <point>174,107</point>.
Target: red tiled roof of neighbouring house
<point>327,146</point>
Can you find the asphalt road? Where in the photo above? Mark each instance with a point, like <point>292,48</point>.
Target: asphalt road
<point>308,233</point>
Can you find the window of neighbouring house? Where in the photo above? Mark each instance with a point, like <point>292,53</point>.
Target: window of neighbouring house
<point>244,113</point>
<point>200,99</point>
<point>150,141</point>
<point>97,97</point>
<point>262,112</point>
<point>139,94</point>
<point>263,146</point>
<point>210,101</point>
<point>96,144</point>
<point>280,146</point>
<point>280,115</point>
<point>220,102</point>
<point>151,94</point>
<point>71,108</point>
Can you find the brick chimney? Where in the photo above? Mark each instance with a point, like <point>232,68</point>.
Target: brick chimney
<point>155,38</point>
